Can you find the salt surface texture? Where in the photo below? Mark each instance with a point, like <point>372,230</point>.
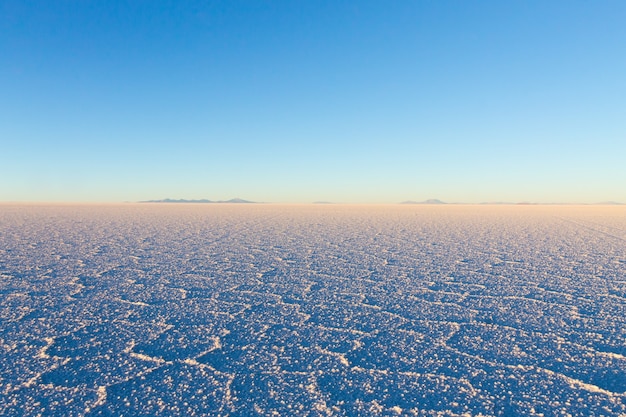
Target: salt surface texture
<point>312,310</point>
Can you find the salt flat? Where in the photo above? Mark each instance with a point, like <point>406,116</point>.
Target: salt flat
<point>321,310</point>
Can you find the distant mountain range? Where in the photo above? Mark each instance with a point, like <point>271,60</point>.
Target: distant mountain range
<point>609,203</point>
<point>231,201</point>
<point>431,201</point>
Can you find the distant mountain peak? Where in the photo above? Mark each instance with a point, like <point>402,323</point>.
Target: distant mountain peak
<point>237,200</point>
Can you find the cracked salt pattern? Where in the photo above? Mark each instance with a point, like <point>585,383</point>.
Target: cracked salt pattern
<point>312,310</point>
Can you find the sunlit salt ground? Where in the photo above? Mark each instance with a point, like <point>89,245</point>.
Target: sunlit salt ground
<point>239,310</point>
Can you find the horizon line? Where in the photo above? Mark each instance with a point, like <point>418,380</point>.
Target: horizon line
<point>318,203</point>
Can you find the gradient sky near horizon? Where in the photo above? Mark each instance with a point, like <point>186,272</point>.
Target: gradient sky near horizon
<point>344,101</point>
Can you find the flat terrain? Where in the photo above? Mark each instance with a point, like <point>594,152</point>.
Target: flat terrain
<point>321,310</point>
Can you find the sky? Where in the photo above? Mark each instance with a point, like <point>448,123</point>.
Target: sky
<point>295,102</point>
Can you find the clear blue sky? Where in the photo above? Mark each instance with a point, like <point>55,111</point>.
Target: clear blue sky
<point>360,101</point>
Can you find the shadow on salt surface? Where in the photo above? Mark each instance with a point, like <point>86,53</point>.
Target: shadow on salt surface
<point>180,343</point>
<point>366,392</point>
<point>175,389</point>
<point>505,345</point>
<point>276,348</point>
<point>91,372</point>
<point>31,401</point>
<point>265,394</point>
